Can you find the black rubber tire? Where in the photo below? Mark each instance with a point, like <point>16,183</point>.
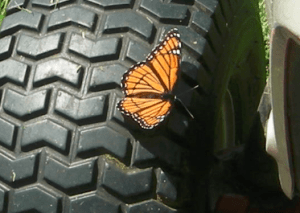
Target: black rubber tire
<point>64,147</point>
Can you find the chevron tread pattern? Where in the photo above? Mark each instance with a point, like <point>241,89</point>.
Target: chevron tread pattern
<point>64,147</point>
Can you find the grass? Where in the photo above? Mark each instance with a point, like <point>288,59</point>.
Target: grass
<point>266,32</point>
<point>3,5</point>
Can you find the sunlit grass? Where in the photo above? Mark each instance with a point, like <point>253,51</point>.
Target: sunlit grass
<point>266,31</point>
<point>3,5</point>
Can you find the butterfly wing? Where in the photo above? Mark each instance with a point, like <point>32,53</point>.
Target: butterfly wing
<point>160,71</point>
<point>141,79</point>
<point>147,112</point>
<point>152,78</point>
<point>165,59</point>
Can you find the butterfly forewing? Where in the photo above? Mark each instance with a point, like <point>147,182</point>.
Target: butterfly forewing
<point>154,77</point>
<point>166,58</point>
<point>140,78</point>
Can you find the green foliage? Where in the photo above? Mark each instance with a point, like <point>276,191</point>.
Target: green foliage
<point>266,31</point>
<point>3,5</point>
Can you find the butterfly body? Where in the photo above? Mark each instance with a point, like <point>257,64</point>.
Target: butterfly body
<point>168,96</point>
<point>165,96</point>
<point>148,85</point>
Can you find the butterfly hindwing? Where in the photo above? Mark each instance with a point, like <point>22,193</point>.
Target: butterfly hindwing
<point>145,84</point>
<point>147,112</point>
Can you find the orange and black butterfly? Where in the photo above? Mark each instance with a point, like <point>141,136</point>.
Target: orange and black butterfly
<point>147,86</point>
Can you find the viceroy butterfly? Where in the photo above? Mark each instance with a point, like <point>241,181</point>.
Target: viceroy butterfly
<point>148,85</point>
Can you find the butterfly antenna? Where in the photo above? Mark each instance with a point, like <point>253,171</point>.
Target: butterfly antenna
<point>185,107</point>
<point>195,87</point>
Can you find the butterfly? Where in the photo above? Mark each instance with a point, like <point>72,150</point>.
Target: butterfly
<point>148,85</point>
